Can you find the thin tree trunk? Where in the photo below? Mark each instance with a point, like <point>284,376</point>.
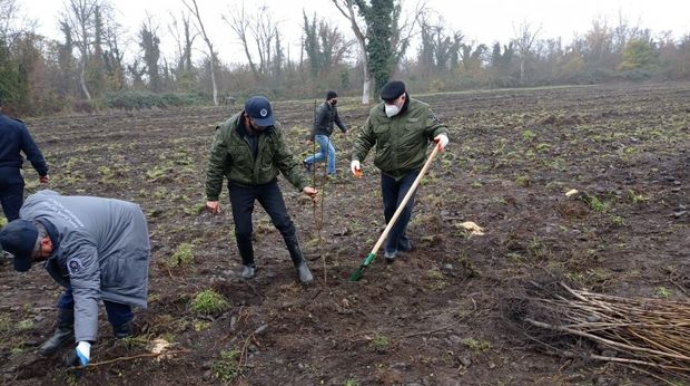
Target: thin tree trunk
<point>82,79</point>
<point>361,39</point>
<point>366,87</point>
<point>211,53</point>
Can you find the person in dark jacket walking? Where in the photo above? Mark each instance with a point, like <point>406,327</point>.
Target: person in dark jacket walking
<point>15,139</point>
<point>326,118</point>
<point>97,249</point>
<point>401,128</point>
<point>249,150</point>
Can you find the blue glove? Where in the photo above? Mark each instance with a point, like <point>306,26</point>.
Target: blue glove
<point>83,352</point>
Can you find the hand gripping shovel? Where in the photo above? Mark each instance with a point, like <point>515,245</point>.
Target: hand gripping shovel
<point>370,257</point>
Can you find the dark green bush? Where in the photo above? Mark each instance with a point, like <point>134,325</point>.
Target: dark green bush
<point>136,100</point>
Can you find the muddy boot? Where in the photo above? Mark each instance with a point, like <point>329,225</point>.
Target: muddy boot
<point>303,272</point>
<point>248,265</point>
<point>63,334</point>
<point>125,330</point>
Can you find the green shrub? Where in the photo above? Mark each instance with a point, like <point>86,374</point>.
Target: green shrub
<point>226,367</point>
<point>136,100</point>
<point>380,343</point>
<point>209,302</point>
<point>184,255</point>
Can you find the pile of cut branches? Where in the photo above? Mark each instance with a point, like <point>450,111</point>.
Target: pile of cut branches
<point>640,333</point>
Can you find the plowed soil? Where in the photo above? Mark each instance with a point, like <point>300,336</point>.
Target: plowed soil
<point>432,318</point>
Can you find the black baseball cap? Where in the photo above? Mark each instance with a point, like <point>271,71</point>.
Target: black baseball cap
<point>20,238</point>
<point>259,110</point>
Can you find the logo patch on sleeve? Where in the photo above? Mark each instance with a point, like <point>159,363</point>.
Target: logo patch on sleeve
<point>74,266</point>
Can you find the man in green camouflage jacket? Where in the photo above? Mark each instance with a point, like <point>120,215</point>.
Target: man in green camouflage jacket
<point>250,151</point>
<point>401,129</point>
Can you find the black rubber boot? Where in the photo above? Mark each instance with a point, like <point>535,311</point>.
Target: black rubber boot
<point>63,334</point>
<point>125,330</point>
<point>303,272</point>
<point>248,265</point>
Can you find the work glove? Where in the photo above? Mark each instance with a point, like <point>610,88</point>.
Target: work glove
<point>356,168</point>
<point>80,356</point>
<point>442,141</point>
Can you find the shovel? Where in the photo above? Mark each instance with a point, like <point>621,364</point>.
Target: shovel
<point>370,257</point>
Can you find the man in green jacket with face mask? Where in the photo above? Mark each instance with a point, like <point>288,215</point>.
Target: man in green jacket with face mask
<point>401,128</point>
<point>250,151</point>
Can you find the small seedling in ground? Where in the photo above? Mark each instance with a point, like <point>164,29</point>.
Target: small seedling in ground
<point>133,342</point>
<point>663,292</point>
<point>617,220</point>
<point>184,255</point>
<point>25,325</point>
<point>528,135</point>
<point>350,382</point>
<point>201,325</point>
<point>209,302</point>
<point>226,367</point>
<point>476,345</point>
<point>597,205</point>
<point>523,181</point>
<point>380,343</point>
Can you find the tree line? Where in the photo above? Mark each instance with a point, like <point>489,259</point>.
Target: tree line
<point>86,67</point>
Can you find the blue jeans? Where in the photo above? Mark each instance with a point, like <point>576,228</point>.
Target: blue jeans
<point>118,314</point>
<point>326,151</point>
<point>393,193</point>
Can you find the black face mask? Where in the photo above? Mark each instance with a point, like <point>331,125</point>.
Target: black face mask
<point>334,102</point>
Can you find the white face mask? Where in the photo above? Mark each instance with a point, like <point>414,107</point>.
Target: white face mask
<point>391,110</point>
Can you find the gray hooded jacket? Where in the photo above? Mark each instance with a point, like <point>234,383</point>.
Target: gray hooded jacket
<point>102,252</point>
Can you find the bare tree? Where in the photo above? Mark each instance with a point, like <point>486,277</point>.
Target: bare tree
<point>624,32</point>
<point>381,34</point>
<point>440,50</point>
<point>80,17</point>
<point>149,42</point>
<point>258,34</point>
<point>212,54</point>
<point>347,8</point>
<point>526,35</point>
<point>8,14</point>
<point>114,56</point>
<point>185,41</point>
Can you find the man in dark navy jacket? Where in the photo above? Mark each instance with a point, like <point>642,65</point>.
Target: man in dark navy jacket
<point>14,139</point>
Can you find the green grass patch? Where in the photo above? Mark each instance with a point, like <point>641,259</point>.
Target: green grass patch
<point>184,255</point>
<point>227,367</point>
<point>209,302</point>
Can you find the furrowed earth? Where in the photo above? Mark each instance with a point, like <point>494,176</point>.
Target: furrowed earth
<point>434,317</point>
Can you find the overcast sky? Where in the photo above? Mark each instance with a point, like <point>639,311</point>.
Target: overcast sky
<point>482,21</point>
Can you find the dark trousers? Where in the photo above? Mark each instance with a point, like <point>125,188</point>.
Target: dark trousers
<point>118,314</point>
<point>11,192</point>
<point>242,200</point>
<point>393,193</point>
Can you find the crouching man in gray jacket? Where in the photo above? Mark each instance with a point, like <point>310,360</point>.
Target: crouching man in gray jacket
<point>97,249</point>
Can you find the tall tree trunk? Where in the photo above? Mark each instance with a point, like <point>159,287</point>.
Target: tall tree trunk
<point>361,39</point>
<point>82,79</point>
<point>211,53</point>
<point>366,87</point>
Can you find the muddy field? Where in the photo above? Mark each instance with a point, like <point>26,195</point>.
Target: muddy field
<point>432,318</point>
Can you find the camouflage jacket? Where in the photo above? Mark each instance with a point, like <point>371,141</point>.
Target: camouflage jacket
<point>232,156</point>
<point>401,141</point>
